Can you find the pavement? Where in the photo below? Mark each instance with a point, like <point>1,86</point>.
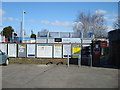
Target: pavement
<point>58,76</point>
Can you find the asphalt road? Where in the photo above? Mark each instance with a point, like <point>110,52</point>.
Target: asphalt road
<point>53,76</point>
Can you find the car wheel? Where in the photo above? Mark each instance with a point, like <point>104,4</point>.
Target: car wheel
<point>7,62</point>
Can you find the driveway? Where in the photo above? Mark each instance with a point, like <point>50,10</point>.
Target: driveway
<point>57,76</point>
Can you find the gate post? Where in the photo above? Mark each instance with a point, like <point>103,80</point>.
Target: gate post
<point>68,60</point>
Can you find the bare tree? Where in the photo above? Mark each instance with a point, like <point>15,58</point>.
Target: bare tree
<point>116,24</point>
<point>91,23</point>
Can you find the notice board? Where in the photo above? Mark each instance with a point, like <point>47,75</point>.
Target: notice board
<point>44,51</point>
<point>31,50</point>
<point>76,50</point>
<point>66,51</point>
<point>3,48</point>
<point>21,50</point>
<point>12,50</point>
<point>57,51</point>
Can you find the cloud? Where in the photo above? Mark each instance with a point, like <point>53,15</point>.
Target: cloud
<point>10,19</point>
<point>100,11</point>
<point>112,15</point>
<point>2,12</point>
<point>45,22</point>
<point>57,23</point>
<point>32,21</point>
<point>105,18</point>
<point>112,20</point>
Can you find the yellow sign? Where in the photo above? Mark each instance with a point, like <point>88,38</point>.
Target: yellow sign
<point>75,56</point>
<point>76,50</point>
<point>58,45</point>
<point>22,46</point>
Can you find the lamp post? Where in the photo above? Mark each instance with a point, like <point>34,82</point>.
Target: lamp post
<point>23,12</point>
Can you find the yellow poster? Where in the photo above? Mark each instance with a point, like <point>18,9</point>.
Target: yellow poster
<point>76,50</point>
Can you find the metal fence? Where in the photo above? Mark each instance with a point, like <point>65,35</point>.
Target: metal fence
<point>41,50</point>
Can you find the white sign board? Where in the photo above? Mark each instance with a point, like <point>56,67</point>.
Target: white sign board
<point>57,51</point>
<point>71,40</point>
<point>66,40</point>
<point>3,48</point>
<point>66,51</point>
<point>75,40</point>
<point>12,51</point>
<point>44,51</point>
<point>31,50</point>
<point>41,40</point>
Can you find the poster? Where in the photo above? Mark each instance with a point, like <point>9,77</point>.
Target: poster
<point>57,51</point>
<point>66,51</point>
<point>44,51</point>
<point>76,50</point>
<point>3,48</point>
<point>21,50</point>
<point>31,50</point>
<point>12,51</point>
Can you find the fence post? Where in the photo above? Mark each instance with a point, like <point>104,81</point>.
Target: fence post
<point>68,60</point>
<point>79,60</point>
<point>91,59</point>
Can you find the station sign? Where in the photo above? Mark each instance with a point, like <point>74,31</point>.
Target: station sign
<point>58,39</point>
<point>103,44</point>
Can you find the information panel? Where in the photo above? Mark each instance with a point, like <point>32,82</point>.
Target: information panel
<point>57,51</point>
<point>76,50</point>
<point>21,50</point>
<point>3,48</point>
<point>44,51</point>
<point>31,50</point>
<point>66,51</point>
<point>12,51</point>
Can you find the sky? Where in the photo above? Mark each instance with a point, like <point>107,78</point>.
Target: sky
<point>54,16</point>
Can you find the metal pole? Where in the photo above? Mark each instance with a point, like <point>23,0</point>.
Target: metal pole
<point>81,38</point>
<point>12,36</point>
<point>23,24</point>
<point>102,50</point>
<point>79,61</point>
<point>47,36</point>
<point>91,59</point>
<point>59,35</point>
<point>81,46</point>
<point>68,60</point>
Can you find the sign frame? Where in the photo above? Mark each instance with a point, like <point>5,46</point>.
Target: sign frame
<point>15,50</point>
<point>44,52</point>
<point>31,54</point>
<point>67,50</point>
<point>58,50</point>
